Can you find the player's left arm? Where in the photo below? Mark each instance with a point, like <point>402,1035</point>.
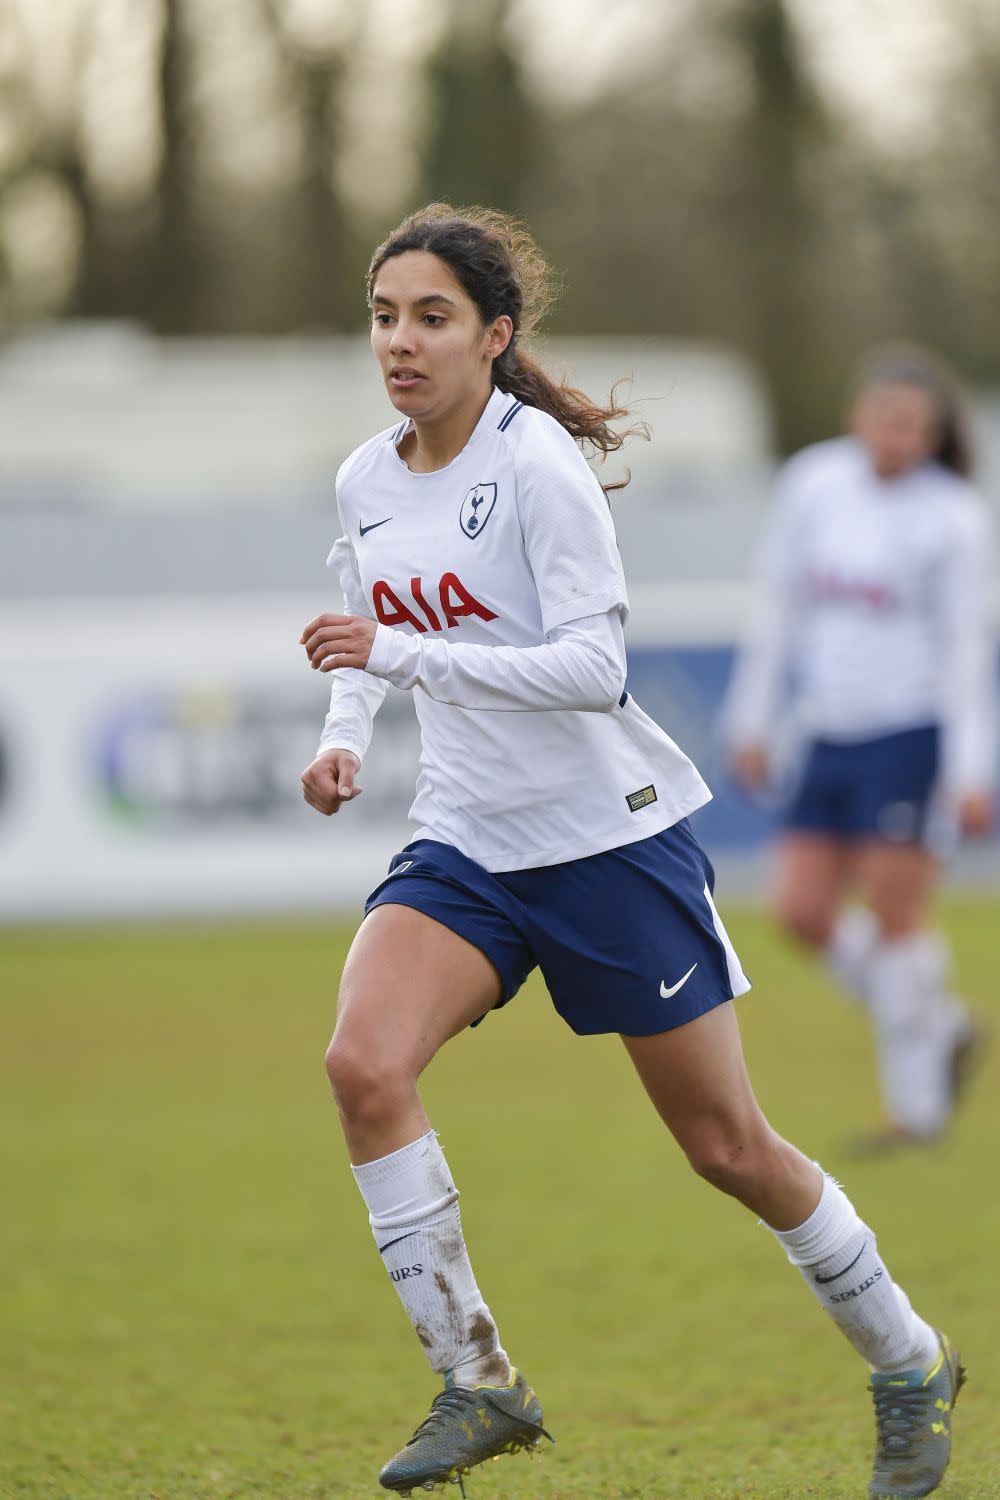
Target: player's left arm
<point>580,666</point>
<point>968,668</point>
<point>569,541</point>
<point>759,683</point>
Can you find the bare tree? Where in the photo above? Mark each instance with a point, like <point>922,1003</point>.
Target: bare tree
<point>484,132</point>
<point>325,252</point>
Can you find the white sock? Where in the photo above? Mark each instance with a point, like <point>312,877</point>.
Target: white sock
<point>849,952</point>
<point>413,1210</point>
<point>838,1257</point>
<point>916,1025</point>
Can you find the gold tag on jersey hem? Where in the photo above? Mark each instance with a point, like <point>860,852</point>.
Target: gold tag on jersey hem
<point>642,798</point>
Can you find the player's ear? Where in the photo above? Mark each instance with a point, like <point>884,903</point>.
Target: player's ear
<point>498,336</point>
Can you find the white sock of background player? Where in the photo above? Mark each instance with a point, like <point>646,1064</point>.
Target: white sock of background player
<point>917,1023</point>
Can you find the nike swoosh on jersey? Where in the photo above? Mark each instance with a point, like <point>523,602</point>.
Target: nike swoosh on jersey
<point>674,988</point>
<point>364,530</point>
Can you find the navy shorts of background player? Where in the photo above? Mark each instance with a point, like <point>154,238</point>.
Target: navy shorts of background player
<point>882,788</point>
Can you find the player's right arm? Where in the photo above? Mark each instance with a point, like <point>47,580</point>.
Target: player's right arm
<point>329,781</point>
<point>355,698</point>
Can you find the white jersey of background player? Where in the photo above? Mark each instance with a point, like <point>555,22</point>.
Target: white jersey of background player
<point>874,604</point>
<point>480,570</point>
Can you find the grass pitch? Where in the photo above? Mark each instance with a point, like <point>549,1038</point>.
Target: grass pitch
<point>191,1306</point>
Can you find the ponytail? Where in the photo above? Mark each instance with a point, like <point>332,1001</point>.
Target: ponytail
<point>498,264</point>
<point>586,421</point>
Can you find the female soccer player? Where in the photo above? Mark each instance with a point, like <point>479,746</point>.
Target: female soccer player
<point>480,570</point>
<point>874,592</point>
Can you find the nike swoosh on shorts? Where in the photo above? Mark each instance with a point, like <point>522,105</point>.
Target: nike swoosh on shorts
<point>674,988</point>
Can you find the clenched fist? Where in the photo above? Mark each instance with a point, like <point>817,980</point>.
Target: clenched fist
<point>329,782</point>
<point>333,641</point>
<point>975,815</point>
<point>749,765</point>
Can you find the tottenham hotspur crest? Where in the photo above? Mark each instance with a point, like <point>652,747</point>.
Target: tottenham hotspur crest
<point>477,507</point>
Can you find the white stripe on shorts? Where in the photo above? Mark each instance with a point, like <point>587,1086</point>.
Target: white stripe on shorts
<point>738,981</point>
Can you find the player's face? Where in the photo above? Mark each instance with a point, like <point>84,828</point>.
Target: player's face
<point>433,349</point>
<point>898,426</point>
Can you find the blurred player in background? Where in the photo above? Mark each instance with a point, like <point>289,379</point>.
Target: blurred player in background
<point>480,570</point>
<point>874,599</point>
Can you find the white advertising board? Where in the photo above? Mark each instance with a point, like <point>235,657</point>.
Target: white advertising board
<point>150,755</point>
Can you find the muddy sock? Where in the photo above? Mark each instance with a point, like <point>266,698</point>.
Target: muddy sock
<point>413,1210</point>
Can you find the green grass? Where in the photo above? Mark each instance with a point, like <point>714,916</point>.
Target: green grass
<point>191,1306</point>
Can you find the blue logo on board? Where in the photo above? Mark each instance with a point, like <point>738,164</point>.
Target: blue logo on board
<point>477,507</point>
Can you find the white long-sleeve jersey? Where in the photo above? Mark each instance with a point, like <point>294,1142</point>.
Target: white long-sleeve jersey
<point>873,604</point>
<point>498,590</point>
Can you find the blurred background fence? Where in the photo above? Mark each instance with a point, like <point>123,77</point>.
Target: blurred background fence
<point>742,195</point>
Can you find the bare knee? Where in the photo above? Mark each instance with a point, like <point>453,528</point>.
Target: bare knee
<point>346,1068</point>
<point>730,1158</point>
<point>368,1087</point>
<point>813,873</point>
<point>759,1169</point>
<point>808,924</point>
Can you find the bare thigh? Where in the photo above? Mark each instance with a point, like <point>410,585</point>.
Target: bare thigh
<point>813,875</point>
<point>697,1079</point>
<point>409,984</point>
<point>898,882</point>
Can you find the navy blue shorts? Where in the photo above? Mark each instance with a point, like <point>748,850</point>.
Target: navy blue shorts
<point>628,940</point>
<point>881,788</point>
